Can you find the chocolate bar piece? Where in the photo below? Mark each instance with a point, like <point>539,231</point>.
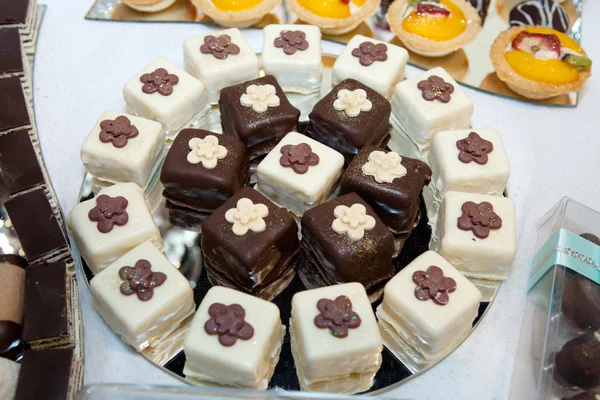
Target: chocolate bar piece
<point>48,308</point>
<point>13,108</point>
<point>18,162</point>
<point>13,12</point>
<point>12,293</point>
<point>11,55</point>
<point>36,225</point>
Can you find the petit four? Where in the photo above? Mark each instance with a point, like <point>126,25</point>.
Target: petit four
<point>545,13</point>
<point>203,169</point>
<point>142,296</point>
<point>335,339</point>
<point>428,309</point>
<point>12,296</point>
<point>234,340</point>
<point>250,244</point>
<point>123,148</point>
<point>219,60</point>
<point>112,223</point>
<point>434,28</point>
<point>9,376</point>
<point>24,15</point>
<point>577,364</point>
<point>149,6</point>
<point>258,113</point>
<point>292,54</point>
<point>424,105</point>
<point>390,183</point>
<point>19,162</point>
<point>476,233</point>
<point>299,173</point>
<point>349,118</point>
<point>377,64</point>
<point>236,14</point>
<point>539,63</point>
<point>343,240</point>
<point>13,61</point>
<point>167,94</point>
<point>334,17</point>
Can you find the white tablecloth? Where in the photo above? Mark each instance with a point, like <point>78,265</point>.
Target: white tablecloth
<point>80,70</point>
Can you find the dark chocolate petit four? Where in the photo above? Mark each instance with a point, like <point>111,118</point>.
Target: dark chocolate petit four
<point>258,113</point>
<point>250,244</point>
<point>343,240</point>
<point>546,13</point>
<point>391,184</point>
<point>577,364</point>
<point>349,118</point>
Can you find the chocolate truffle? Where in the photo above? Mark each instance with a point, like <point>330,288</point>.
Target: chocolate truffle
<point>581,302</point>
<point>203,169</point>
<point>349,118</point>
<point>258,113</point>
<point>18,162</point>
<point>546,13</point>
<point>250,244</point>
<point>578,362</point>
<point>343,240</point>
<point>391,184</point>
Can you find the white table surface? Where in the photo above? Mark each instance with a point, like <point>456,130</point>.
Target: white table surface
<point>81,67</point>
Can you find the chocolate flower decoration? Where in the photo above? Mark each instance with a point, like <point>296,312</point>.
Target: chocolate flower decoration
<point>140,280</point>
<point>291,41</point>
<point>159,81</point>
<point>433,285</point>
<point>474,148</point>
<point>220,47</point>
<point>109,211</point>
<point>298,157</point>
<point>479,218</point>
<point>436,88</point>
<point>337,315</point>
<point>368,53</point>
<point>228,322</point>
<point>117,131</point>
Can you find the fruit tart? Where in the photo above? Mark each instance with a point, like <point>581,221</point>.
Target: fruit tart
<point>539,63</point>
<point>434,28</point>
<point>236,13</point>
<point>334,17</point>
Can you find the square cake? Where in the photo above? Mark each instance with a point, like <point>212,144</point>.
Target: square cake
<point>377,64</point>
<point>203,169</point>
<point>258,113</point>
<point>112,223</point>
<point>424,105</point>
<point>142,296</point>
<point>428,308</point>
<point>335,355</point>
<point>167,94</point>
<point>476,233</point>
<point>123,148</point>
<point>292,54</point>
<point>219,60</point>
<point>349,118</point>
<point>390,183</point>
<point>299,173</point>
<point>250,244</point>
<point>343,240</point>
<point>246,358</point>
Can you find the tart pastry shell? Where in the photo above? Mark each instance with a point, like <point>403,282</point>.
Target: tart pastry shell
<point>335,26</point>
<point>236,19</point>
<point>149,6</point>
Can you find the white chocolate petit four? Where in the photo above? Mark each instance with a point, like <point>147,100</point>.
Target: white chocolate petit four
<point>142,296</point>
<point>377,64</point>
<point>330,356</point>
<point>299,173</point>
<point>219,60</point>
<point>123,148</point>
<point>424,105</point>
<point>234,340</point>
<point>476,233</point>
<point>428,309</point>
<point>167,94</point>
<point>111,224</point>
<point>292,54</point>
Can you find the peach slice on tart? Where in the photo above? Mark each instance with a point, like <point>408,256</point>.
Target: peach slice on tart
<point>539,63</point>
<point>236,13</point>
<point>434,28</point>
<point>334,17</point>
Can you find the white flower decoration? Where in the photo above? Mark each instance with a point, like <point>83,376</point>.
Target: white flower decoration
<point>352,220</point>
<point>206,151</point>
<point>260,97</point>
<point>384,167</point>
<point>247,216</point>
<point>352,102</point>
